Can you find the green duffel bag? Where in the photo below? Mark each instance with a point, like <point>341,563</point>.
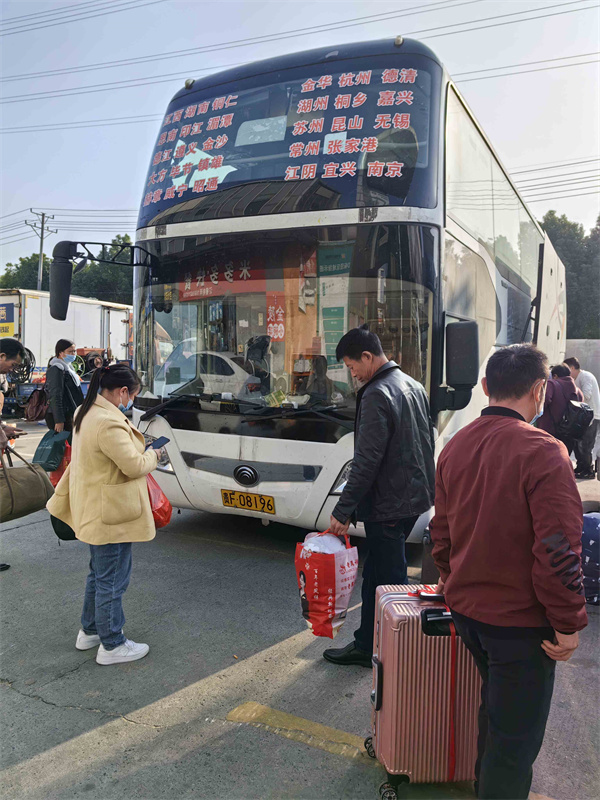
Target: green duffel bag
<point>50,451</point>
<point>23,489</point>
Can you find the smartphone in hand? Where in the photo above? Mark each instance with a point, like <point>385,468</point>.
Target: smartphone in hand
<point>158,443</point>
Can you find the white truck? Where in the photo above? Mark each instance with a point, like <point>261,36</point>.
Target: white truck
<point>91,324</point>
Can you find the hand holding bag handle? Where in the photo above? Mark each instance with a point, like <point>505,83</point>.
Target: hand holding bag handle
<point>339,535</point>
<point>28,501</point>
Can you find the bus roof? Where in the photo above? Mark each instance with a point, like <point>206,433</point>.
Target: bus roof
<point>342,52</point>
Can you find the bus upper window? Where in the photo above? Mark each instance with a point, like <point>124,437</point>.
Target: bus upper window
<point>301,140</point>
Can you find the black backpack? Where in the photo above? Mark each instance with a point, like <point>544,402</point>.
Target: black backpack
<point>575,421</point>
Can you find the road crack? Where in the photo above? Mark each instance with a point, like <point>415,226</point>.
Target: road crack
<point>110,714</point>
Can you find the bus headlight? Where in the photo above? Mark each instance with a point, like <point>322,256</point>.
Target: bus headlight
<point>164,463</point>
<point>342,479</point>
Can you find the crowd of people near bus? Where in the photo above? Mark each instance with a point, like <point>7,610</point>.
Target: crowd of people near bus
<point>507,524</point>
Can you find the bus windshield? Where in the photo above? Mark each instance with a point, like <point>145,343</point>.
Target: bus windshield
<point>256,317</point>
<point>339,135</point>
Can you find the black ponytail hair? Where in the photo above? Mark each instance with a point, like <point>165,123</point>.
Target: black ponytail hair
<point>61,346</point>
<point>114,377</point>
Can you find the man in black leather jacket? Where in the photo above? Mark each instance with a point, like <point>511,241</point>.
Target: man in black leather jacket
<point>392,478</point>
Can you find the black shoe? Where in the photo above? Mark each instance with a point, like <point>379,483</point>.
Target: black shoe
<point>585,476</point>
<point>348,655</point>
<point>4,567</point>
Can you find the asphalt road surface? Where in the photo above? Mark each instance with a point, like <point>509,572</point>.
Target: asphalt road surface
<point>234,699</point>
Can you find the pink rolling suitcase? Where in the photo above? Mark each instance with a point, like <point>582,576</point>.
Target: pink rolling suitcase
<point>426,692</point>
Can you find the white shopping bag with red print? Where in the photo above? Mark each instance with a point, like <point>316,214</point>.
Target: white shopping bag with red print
<point>326,570</point>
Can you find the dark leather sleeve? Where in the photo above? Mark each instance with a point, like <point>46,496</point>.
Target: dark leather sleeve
<point>55,391</point>
<point>369,449</point>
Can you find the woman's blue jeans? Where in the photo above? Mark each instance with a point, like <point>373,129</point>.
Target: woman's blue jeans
<point>110,571</point>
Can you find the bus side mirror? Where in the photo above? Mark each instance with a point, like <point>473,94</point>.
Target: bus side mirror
<point>61,273</point>
<point>462,365</point>
<point>462,354</point>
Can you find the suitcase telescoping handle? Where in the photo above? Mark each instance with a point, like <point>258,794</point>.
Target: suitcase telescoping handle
<point>377,692</point>
<point>436,622</point>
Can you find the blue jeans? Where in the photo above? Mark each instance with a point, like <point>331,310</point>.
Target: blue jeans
<point>385,563</point>
<point>110,571</point>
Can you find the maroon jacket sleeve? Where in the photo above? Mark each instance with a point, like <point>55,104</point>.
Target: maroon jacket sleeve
<point>440,532</point>
<point>557,517</point>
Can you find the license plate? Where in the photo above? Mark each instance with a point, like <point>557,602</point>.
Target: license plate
<point>248,502</point>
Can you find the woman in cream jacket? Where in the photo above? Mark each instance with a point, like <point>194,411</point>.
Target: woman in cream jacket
<point>103,496</point>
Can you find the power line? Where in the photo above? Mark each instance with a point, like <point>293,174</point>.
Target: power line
<point>136,82</point>
<point>560,164</point>
<point>88,210</point>
<point>525,64</point>
<point>550,177</point>
<point>14,241</point>
<point>353,21</point>
<point>526,71</point>
<point>14,213</point>
<point>99,123</point>
<point>153,118</point>
<point>511,22</point>
<point>540,193</point>
<point>78,18</point>
<point>9,20</point>
<point>561,196</point>
<point>529,190</point>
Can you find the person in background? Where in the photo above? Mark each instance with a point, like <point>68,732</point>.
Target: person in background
<point>560,391</point>
<point>584,447</point>
<point>391,481</point>
<point>507,541</point>
<point>319,386</point>
<point>63,388</point>
<point>12,353</point>
<point>103,496</point>
<point>96,363</point>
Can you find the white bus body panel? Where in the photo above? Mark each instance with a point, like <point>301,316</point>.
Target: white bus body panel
<point>552,327</point>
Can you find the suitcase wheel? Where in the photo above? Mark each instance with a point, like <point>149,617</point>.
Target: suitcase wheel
<point>387,792</point>
<point>369,747</point>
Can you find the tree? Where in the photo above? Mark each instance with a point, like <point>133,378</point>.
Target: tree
<point>109,282</point>
<point>580,254</point>
<point>24,274</point>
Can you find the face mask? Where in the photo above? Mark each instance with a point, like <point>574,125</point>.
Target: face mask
<point>70,358</point>
<point>537,416</point>
<point>127,407</point>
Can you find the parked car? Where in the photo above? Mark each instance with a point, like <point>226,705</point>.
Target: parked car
<point>208,371</point>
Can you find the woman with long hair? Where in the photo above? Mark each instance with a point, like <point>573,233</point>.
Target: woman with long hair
<point>103,496</point>
<point>63,388</point>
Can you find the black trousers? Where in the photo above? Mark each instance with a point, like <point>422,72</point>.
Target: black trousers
<point>518,680</point>
<point>385,563</point>
<point>584,446</point>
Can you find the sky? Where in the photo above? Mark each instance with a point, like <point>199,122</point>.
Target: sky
<point>538,119</point>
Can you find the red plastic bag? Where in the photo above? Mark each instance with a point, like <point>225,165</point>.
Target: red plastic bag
<point>325,582</point>
<point>161,508</point>
<point>58,473</point>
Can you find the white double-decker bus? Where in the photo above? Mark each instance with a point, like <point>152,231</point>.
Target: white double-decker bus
<point>288,201</point>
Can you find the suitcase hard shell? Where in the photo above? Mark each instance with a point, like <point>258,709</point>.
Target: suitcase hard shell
<point>426,692</point>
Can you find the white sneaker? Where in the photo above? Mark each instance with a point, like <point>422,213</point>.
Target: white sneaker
<point>87,641</point>
<point>128,651</point>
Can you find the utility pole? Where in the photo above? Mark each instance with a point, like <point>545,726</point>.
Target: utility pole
<point>41,229</point>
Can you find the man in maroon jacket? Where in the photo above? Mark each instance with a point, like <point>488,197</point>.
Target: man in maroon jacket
<point>507,542</point>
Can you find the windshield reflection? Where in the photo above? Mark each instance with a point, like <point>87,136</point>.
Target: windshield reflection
<point>250,323</point>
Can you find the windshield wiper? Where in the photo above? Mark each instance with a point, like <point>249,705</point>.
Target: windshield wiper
<point>152,412</point>
<point>327,412</point>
